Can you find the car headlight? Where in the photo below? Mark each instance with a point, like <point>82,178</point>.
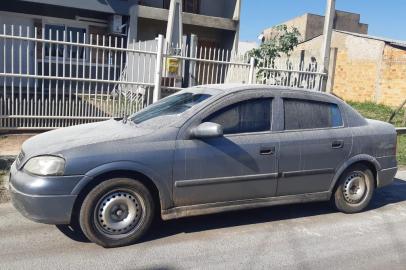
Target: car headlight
<point>45,165</point>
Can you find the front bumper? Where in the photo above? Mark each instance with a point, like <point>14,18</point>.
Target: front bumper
<point>55,209</point>
<point>43,199</point>
<point>386,176</point>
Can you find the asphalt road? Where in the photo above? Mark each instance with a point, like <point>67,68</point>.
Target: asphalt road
<point>310,236</point>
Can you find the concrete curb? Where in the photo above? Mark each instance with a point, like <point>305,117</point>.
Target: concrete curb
<point>5,164</point>
<point>4,192</point>
<point>4,195</point>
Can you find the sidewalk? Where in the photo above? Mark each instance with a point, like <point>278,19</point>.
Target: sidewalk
<point>10,146</point>
<point>401,173</point>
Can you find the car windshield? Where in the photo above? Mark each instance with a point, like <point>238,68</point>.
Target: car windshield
<point>172,105</point>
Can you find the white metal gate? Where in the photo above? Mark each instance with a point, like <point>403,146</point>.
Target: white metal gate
<point>49,83</point>
<point>54,79</point>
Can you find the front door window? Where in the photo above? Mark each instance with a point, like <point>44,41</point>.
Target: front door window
<point>244,117</point>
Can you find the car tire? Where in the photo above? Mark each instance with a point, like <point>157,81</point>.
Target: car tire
<point>117,212</point>
<point>354,190</point>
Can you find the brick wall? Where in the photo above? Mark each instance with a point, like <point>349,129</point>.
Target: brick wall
<point>354,80</point>
<point>392,85</point>
<point>382,80</point>
<point>366,69</point>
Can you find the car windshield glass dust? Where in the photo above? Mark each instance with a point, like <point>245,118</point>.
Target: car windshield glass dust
<point>172,105</point>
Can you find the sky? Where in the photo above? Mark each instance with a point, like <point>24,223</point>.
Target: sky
<point>386,18</point>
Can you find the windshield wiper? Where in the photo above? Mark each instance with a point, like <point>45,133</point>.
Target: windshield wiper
<point>125,119</point>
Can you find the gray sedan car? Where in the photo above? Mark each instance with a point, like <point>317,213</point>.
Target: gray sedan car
<point>203,150</point>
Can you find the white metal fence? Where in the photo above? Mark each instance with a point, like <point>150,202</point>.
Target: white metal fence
<point>54,79</point>
<point>292,73</point>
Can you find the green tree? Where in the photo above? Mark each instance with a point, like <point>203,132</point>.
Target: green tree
<point>282,43</point>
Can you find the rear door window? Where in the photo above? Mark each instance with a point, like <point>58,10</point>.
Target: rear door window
<point>307,114</point>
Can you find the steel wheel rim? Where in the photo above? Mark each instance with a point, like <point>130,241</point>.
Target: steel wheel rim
<point>355,188</point>
<point>119,213</point>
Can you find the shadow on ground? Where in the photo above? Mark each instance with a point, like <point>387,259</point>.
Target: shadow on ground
<point>392,194</point>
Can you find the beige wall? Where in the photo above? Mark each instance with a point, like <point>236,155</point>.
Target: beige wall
<point>350,22</point>
<point>298,22</point>
<point>311,25</point>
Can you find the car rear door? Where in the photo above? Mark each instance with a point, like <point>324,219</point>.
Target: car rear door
<point>240,165</point>
<point>314,144</point>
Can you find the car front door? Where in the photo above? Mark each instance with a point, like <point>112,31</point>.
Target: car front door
<point>240,165</point>
<point>314,144</point>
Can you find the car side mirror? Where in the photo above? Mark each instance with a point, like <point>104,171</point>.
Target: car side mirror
<point>207,130</point>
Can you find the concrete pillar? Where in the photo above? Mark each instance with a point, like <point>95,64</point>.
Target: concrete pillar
<point>158,69</point>
<point>133,23</point>
<point>174,30</point>
<point>327,36</point>
<point>251,78</point>
<point>132,37</point>
<point>378,80</point>
<point>192,65</point>
<point>331,70</point>
<point>237,18</point>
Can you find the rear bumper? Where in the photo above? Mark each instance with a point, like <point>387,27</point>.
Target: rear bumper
<point>386,176</point>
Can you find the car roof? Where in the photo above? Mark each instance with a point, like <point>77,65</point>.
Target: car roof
<point>235,87</point>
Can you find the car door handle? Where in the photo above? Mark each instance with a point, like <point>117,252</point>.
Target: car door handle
<point>337,144</point>
<point>267,150</point>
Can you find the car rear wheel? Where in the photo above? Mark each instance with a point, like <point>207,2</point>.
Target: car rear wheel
<point>117,212</point>
<point>355,189</point>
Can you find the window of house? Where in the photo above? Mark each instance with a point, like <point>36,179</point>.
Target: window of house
<point>306,114</point>
<point>244,117</point>
<point>73,34</point>
<point>76,35</point>
<point>190,6</point>
<point>54,32</point>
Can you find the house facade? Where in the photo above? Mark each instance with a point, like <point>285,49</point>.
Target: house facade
<point>66,62</point>
<point>108,23</point>
<point>215,22</point>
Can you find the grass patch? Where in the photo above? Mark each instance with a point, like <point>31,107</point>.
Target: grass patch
<point>378,112</point>
<point>382,113</point>
<point>402,150</point>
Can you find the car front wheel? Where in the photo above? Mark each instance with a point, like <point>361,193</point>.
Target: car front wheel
<point>117,212</point>
<point>355,189</point>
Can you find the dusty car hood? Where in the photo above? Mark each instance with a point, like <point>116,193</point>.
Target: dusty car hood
<point>71,137</point>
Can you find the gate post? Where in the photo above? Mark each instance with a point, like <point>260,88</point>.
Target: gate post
<point>192,65</point>
<point>158,70</point>
<point>252,71</point>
